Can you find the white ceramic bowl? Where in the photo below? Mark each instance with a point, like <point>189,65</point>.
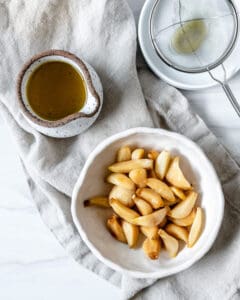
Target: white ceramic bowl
<point>91,221</point>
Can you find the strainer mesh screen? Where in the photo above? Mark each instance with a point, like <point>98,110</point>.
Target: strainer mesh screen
<point>215,28</point>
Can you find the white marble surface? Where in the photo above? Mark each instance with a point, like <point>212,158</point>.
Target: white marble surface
<point>32,263</point>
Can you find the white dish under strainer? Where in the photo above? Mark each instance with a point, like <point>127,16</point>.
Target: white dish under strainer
<point>221,24</point>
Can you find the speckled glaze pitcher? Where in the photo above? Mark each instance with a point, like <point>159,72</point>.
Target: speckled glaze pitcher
<point>75,123</point>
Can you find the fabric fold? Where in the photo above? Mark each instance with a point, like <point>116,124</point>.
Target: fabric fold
<point>104,34</point>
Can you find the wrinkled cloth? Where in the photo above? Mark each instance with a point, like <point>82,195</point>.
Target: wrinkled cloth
<point>104,34</point>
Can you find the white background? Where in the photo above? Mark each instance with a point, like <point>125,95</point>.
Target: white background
<point>32,263</point>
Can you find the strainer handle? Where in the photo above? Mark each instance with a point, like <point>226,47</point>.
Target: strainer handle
<point>231,97</point>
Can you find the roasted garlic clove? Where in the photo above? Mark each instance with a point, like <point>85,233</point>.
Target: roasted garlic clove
<point>123,195</point>
<point>150,232</point>
<point>183,208</point>
<point>161,188</point>
<point>138,153</point>
<point>187,221</point>
<point>143,206</point>
<point>178,192</point>
<point>175,175</point>
<point>121,180</point>
<point>167,203</point>
<point>127,166</point>
<point>124,153</point>
<point>196,228</point>
<point>138,176</point>
<point>153,154</point>
<point>178,232</point>
<point>150,196</point>
<point>152,248</point>
<point>162,164</point>
<point>116,229</point>
<point>100,201</point>
<point>154,219</point>
<point>171,244</point>
<point>123,211</point>
<point>131,233</point>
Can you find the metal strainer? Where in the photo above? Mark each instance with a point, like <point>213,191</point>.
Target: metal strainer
<point>203,49</point>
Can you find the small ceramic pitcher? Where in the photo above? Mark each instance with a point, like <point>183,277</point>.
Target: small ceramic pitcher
<point>73,124</point>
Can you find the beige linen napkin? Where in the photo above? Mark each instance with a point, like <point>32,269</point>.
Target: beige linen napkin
<point>103,33</point>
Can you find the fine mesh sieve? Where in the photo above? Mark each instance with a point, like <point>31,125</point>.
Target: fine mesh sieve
<point>195,37</point>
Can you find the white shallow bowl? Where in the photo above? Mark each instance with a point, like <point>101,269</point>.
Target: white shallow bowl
<point>91,221</point>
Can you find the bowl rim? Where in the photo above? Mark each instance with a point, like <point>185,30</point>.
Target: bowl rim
<point>140,274</point>
<point>87,77</point>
